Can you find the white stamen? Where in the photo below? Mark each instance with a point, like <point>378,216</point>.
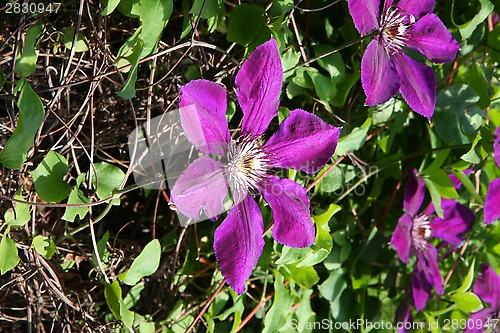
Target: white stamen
<point>421,231</point>
<point>393,26</point>
<point>248,164</point>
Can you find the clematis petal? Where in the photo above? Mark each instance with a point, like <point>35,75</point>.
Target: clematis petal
<point>425,276</point>
<point>421,288</point>
<point>433,272</point>
<point>303,142</point>
<point>365,15</point>
<point>414,193</point>
<point>401,238</point>
<point>238,243</point>
<point>491,206</point>
<point>479,321</point>
<point>417,8</point>
<point>289,204</point>
<point>203,107</point>
<point>258,87</point>
<point>496,147</point>
<point>190,195</point>
<point>430,37</point>
<point>487,287</point>
<point>418,85</point>
<point>379,77</point>
<point>457,220</point>
<point>404,315</point>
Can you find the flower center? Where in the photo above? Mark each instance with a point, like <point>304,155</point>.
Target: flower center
<point>394,24</point>
<point>247,164</point>
<point>421,231</point>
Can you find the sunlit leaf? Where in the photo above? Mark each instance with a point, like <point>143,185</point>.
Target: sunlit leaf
<point>31,114</point>
<point>18,216</point>
<point>145,264</point>
<point>49,184</point>
<point>9,257</point>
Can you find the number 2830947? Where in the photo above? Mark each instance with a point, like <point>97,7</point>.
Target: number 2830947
<point>32,8</point>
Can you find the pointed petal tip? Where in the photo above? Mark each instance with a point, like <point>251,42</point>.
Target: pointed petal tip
<point>238,243</point>
<point>432,38</point>
<point>365,15</point>
<point>303,142</point>
<point>289,204</point>
<point>258,87</point>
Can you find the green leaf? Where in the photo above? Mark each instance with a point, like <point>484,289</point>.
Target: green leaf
<point>44,246</point>
<point>145,264</point>
<point>344,87</point>
<point>442,183</point>
<point>81,44</point>
<point>9,258</point>
<point>324,86</point>
<point>467,281</point>
<point>112,4</point>
<point>101,248</point>
<point>211,8</point>
<point>289,59</point>
<point>333,286</point>
<point>304,312</point>
<point>468,28</point>
<point>147,327</point>
<point>18,216</point>
<point>109,179</point>
<point>437,161</point>
<point>154,17</point>
<point>31,116</point>
<point>337,179</point>
<point>76,197</point>
<point>435,197</point>
<point>129,52</point>
<point>133,295</point>
<point>303,77</point>
<point>126,314</point>
<point>473,155</point>
<point>128,90</point>
<point>354,140</point>
<point>247,26</point>
<point>26,65</point>
<point>477,77</point>
<point>467,301</point>
<point>130,8</point>
<point>48,178</point>
<point>282,302</point>
<point>305,277</point>
<point>316,253</point>
<point>451,118</point>
<point>113,296</point>
<point>231,110</point>
<point>333,63</point>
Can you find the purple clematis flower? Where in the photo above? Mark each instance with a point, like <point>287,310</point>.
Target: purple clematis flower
<point>414,230</point>
<point>491,206</point>
<point>385,68</point>
<point>487,287</point>
<point>303,142</point>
